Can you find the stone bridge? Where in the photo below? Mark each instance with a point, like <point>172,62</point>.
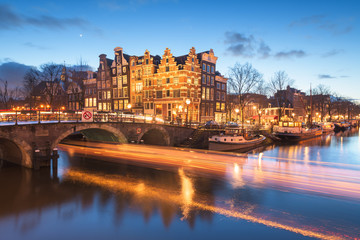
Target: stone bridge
<point>34,145</point>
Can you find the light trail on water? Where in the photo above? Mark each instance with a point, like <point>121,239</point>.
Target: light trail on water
<point>259,171</point>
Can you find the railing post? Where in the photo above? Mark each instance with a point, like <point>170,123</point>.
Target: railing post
<point>59,116</point>
<point>16,120</point>
<point>39,117</point>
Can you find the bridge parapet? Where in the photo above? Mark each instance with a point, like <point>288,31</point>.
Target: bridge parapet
<point>34,145</point>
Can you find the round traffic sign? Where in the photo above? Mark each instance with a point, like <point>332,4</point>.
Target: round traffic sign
<point>87,115</point>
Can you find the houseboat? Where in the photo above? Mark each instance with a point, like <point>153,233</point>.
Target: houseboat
<point>233,139</point>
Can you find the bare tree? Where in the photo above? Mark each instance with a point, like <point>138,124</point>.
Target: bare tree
<point>278,87</point>
<point>243,79</point>
<point>31,80</point>
<point>322,99</point>
<point>50,74</point>
<point>78,74</point>
<point>8,96</point>
<point>4,94</point>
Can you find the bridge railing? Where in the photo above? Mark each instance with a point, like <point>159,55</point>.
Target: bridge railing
<point>43,117</point>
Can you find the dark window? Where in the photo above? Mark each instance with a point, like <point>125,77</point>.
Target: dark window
<point>168,93</point>
<point>176,93</point>
<point>159,94</point>
<point>168,80</point>
<point>167,60</point>
<point>203,79</point>
<point>147,61</point>
<point>166,68</point>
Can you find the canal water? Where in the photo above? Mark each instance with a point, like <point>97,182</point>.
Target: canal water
<point>309,190</point>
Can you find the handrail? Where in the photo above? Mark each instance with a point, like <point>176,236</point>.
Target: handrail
<point>45,117</point>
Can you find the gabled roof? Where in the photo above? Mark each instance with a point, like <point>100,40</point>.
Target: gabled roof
<point>109,62</point>
<point>200,54</point>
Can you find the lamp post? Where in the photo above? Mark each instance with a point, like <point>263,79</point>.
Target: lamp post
<point>293,115</point>
<point>187,101</point>
<point>129,107</point>
<point>237,114</point>
<point>259,117</point>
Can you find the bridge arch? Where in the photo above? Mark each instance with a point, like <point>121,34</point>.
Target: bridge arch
<point>16,151</point>
<point>155,135</point>
<point>78,128</point>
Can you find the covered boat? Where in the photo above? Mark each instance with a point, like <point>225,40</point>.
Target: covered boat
<point>233,140</point>
<point>295,131</point>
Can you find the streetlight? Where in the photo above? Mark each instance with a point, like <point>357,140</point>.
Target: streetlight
<point>237,114</point>
<point>259,116</point>
<point>187,101</point>
<point>293,115</point>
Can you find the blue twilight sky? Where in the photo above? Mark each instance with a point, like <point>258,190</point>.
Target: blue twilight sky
<point>314,41</point>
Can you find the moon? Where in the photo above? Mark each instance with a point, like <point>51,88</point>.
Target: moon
<point>81,35</point>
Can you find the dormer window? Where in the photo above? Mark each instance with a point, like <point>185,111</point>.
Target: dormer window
<point>147,61</point>
<point>167,60</point>
<point>192,59</point>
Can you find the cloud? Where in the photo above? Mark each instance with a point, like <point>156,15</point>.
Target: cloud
<point>9,19</point>
<point>31,45</point>
<point>323,23</point>
<point>239,44</point>
<point>247,46</point>
<point>332,53</point>
<point>13,72</point>
<point>264,50</point>
<point>325,76</point>
<point>290,54</point>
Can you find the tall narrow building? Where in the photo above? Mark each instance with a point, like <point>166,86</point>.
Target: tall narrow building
<point>121,81</point>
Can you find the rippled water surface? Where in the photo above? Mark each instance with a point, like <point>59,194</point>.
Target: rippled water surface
<point>104,191</point>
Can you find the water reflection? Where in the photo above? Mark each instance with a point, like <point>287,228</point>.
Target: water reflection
<point>163,189</point>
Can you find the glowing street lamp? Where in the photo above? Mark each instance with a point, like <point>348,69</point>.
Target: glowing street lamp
<point>259,116</point>
<point>237,114</point>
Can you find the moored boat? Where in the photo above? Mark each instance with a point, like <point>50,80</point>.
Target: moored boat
<point>294,131</point>
<point>327,127</point>
<point>233,140</point>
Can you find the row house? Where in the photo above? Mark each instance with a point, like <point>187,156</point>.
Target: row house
<point>173,92</point>
<point>103,82</point>
<point>142,70</point>
<point>120,75</point>
<point>184,88</point>
<point>90,96</point>
<point>213,89</point>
